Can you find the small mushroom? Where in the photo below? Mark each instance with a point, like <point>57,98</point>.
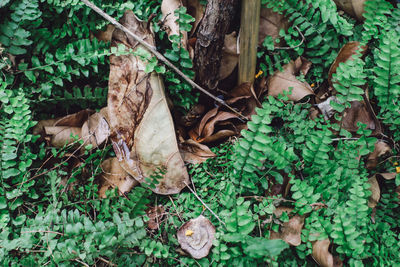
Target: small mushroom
<point>196,237</point>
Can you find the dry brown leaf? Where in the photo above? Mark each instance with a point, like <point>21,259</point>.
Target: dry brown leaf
<point>105,35</point>
<point>168,8</point>
<point>381,148</point>
<point>354,8</point>
<point>196,237</point>
<point>270,24</point>
<point>230,55</point>
<point>345,53</point>
<point>290,231</point>
<point>376,192</point>
<point>195,153</point>
<point>114,175</point>
<point>282,80</point>
<point>62,135</point>
<point>192,116</point>
<point>96,129</point>
<point>360,111</point>
<point>388,175</point>
<point>142,129</point>
<point>321,254</point>
<point>155,215</point>
<point>246,90</point>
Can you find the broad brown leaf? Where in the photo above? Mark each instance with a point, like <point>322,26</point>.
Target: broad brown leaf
<point>376,192</point>
<point>230,56</point>
<point>354,8</point>
<point>381,148</point>
<point>270,24</point>
<point>142,129</point>
<point>290,231</point>
<point>282,80</point>
<point>115,176</point>
<point>321,254</point>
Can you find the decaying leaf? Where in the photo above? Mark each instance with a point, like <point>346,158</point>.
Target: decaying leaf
<point>388,175</point>
<point>96,129</point>
<point>168,8</point>
<point>155,215</point>
<point>326,108</point>
<point>105,35</point>
<point>196,237</point>
<point>321,254</point>
<point>283,80</point>
<point>230,56</point>
<point>270,24</point>
<point>142,129</point>
<point>290,231</point>
<point>354,8</point>
<point>195,153</point>
<point>192,116</point>
<point>360,111</point>
<point>345,53</point>
<point>381,148</point>
<point>114,175</point>
<point>376,192</point>
<point>62,135</point>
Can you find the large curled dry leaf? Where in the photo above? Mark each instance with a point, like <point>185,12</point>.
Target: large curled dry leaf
<point>114,176</point>
<point>290,231</point>
<point>230,56</point>
<point>354,8</point>
<point>381,148</point>
<point>270,24</point>
<point>96,129</point>
<point>196,237</point>
<point>142,130</point>
<point>321,254</point>
<point>195,153</point>
<point>376,192</point>
<point>168,8</point>
<point>283,80</point>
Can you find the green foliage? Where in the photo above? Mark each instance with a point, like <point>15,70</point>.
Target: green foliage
<point>320,26</point>
<point>181,92</point>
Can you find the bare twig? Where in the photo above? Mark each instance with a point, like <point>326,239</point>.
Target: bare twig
<point>81,262</point>
<point>204,204</point>
<point>106,261</point>
<point>159,56</point>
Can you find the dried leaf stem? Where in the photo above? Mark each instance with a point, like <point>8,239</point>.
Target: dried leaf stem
<point>159,56</point>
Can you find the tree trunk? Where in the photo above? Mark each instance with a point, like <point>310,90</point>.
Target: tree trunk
<point>210,40</point>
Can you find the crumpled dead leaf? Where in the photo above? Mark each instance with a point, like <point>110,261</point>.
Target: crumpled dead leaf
<point>354,8</point>
<point>345,53</point>
<point>58,131</point>
<point>387,175</point>
<point>155,215</point>
<point>321,254</point>
<point>381,148</point>
<point>105,35</point>
<point>230,55</point>
<point>142,129</point>
<point>282,80</point>
<point>168,8</point>
<point>195,153</point>
<point>290,231</point>
<point>376,192</point>
<point>196,237</point>
<point>114,175</point>
<point>270,24</point>
<point>96,129</point>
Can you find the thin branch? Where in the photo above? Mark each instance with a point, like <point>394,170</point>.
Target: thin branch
<point>159,56</point>
<point>204,204</point>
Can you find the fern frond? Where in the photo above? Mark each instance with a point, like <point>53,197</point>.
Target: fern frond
<point>376,18</point>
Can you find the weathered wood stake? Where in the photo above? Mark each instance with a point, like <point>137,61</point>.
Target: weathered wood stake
<point>249,24</point>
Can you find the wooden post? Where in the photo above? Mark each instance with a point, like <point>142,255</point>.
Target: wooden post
<point>249,24</point>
